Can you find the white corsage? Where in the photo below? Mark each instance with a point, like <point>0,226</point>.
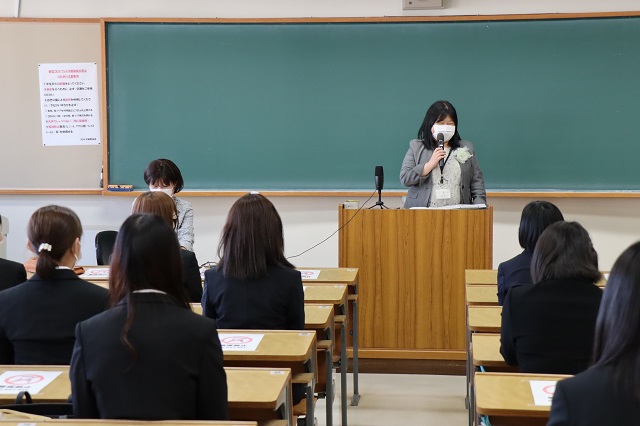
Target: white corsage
<point>462,154</point>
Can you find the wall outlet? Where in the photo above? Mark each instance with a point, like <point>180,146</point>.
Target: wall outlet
<point>422,4</point>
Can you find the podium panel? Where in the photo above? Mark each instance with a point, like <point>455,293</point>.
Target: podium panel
<point>412,265</point>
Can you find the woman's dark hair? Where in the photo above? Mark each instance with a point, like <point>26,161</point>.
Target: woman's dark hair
<point>157,202</point>
<point>56,226</point>
<point>146,255</point>
<point>536,216</point>
<point>437,112</point>
<point>166,172</point>
<point>617,335</point>
<point>251,239</point>
<point>565,251</point>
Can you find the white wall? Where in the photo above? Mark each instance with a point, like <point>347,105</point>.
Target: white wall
<point>613,223</point>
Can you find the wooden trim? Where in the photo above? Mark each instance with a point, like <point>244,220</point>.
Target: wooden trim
<point>374,19</point>
<point>564,194</point>
<point>52,191</point>
<point>434,354</point>
<point>105,127</point>
<point>53,20</point>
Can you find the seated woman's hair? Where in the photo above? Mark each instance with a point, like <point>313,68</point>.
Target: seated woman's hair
<point>164,171</point>
<point>617,335</point>
<point>156,202</point>
<point>536,217</point>
<point>564,251</point>
<point>52,231</point>
<point>251,239</point>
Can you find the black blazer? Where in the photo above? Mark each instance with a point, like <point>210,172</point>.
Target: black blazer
<point>275,302</point>
<point>191,279</point>
<point>513,272</point>
<point>176,374</point>
<point>548,327</point>
<point>11,273</point>
<point>38,317</point>
<point>592,399</point>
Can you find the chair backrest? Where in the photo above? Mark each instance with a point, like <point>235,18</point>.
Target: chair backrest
<point>105,240</point>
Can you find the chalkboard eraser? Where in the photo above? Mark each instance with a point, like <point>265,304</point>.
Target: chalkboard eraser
<point>120,188</point>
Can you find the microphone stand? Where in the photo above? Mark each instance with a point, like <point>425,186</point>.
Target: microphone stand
<point>379,202</point>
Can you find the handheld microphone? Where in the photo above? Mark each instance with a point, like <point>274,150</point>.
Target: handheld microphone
<point>379,178</point>
<point>441,145</point>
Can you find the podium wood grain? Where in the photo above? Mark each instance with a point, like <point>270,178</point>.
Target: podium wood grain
<point>412,272</point>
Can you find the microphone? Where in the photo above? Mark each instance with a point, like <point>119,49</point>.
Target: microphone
<point>441,145</point>
<point>379,178</point>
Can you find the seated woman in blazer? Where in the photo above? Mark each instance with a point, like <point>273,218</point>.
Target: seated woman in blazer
<point>535,218</point>
<point>149,357</point>
<point>39,316</point>
<point>548,327</point>
<point>11,273</point>
<point>608,393</point>
<point>254,286</point>
<point>162,204</point>
<point>441,175</point>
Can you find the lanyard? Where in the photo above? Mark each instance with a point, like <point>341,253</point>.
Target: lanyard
<point>444,164</point>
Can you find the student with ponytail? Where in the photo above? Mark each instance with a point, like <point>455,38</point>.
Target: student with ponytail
<point>38,317</point>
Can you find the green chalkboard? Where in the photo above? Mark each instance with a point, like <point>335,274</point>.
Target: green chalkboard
<point>548,104</point>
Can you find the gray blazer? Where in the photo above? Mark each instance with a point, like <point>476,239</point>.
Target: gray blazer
<point>471,179</point>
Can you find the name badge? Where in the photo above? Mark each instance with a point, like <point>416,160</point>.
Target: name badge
<point>443,194</point>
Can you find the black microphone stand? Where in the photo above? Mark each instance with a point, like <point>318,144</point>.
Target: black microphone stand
<point>379,202</point>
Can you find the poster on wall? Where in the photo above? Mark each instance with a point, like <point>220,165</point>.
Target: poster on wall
<point>69,104</point>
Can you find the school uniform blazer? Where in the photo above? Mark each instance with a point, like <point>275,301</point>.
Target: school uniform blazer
<point>513,272</point>
<point>11,273</point>
<point>471,180</point>
<point>548,327</point>
<point>175,374</point>
<point>38,317</point>
<point>191,279</point>
<point>592,398</point>
<point>275,302</point>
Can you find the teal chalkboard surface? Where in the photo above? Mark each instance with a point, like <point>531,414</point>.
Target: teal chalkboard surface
<point>548,104</point>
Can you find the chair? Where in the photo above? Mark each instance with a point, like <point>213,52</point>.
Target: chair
<point>24,404</point>
<point>105,240</point>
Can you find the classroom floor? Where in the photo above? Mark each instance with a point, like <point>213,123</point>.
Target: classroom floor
<point>402,399</point>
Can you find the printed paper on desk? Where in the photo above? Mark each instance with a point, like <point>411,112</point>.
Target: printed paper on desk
<point>542,391</point>
<point>240,341</point>
<point>95,273</point>
<point>309,274</point>
<point>12,382</point>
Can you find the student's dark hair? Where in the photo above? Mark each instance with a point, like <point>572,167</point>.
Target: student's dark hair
<point>156,202</point>
<point>617,335</point>
<point>438,111</point>
<point>536,216</point>
<point>166,172</point>
<point>251,239</point>
<point>146,255</point>
<point>56,226</point>
<point>564,251</point>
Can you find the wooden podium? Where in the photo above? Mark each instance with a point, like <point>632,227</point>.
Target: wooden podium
<point>412,289</point>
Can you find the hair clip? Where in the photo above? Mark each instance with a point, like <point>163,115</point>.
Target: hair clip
<point>44,246</point>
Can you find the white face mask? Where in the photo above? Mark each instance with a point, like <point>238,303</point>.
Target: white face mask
<point>447,131</point>
<point>168,191</point>
<point>78,256</point>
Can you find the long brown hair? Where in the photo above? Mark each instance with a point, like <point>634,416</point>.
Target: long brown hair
<point>146,256</point>
<point>251,239</point>
<point>157,202</point>
<point>57,227</point>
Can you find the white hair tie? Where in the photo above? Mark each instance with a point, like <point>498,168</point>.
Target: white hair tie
<point>44,246</point>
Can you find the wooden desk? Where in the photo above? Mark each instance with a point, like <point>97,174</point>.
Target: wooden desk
<point>480,276</point>
<point>486,351</point>
<point>482,295</point>
<point>348,276</point>
<point>291,349</point>
<point>507,398</point>
<point>485,319</point>
<point>336,295</point>
<point>253,393</point>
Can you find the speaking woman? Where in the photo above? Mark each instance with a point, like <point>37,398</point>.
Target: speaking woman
<point>441,175</point>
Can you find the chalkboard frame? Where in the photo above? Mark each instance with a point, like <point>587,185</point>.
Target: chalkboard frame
<point>500,193</point>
